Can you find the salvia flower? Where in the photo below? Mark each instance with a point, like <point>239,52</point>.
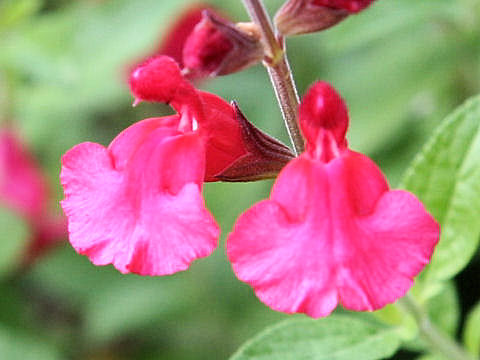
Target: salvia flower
<point>305,16</point>
<point>332,231</point>
<point>137,204</point>
<point>24,190</point>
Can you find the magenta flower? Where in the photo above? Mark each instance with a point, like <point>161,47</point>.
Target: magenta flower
<point>22,184</point>
<point>332,231</point>
<point>137,204</point>
<point>24,190</point>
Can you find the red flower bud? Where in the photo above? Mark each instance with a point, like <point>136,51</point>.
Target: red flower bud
<point>322,108</point>
<point>219,47</point>
<point>174,40</point>
<point>352,6</point>
<point>305,16</point>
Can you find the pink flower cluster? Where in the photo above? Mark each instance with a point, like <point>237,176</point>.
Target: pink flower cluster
<point>332,231</point>
<point>137,204</point>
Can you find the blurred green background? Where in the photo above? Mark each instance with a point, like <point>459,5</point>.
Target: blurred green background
<point>401,66</point>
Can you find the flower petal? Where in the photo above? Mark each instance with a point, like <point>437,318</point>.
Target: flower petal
<point>123,147</point>
<point>285,257</point>
<point>149,217</point>
<point>332,232</point>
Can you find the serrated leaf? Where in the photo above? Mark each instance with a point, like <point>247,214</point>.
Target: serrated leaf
<point>446,178</point>
<point>337,337</point>
<point>13,238</point>
<point>471,334</point>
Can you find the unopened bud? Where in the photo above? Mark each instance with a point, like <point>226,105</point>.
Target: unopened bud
<point>323,109</point>
<point>219,47</point>
<point>297,17</point>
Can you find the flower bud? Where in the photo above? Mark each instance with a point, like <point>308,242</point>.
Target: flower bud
<point>297,17</point>
<point>219,47</point>
<point>322,109</point>
<point>177,34</point>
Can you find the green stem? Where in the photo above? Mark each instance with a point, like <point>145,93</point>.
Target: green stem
<point>436,341</point>
<point>279,72</point>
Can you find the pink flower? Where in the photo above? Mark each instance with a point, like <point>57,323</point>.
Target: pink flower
<point>22,184</point>
<point>24,189</point>
<point>332,231</point>
<point>137,204</point>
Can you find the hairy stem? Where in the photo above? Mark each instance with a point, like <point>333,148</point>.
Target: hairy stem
<point>279,72</point>
<point>437,341</point>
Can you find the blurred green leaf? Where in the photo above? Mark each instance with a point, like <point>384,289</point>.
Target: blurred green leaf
<point>446,178</point>
<point>430,357</point>
<point>14,237</point>
<point>444,309</point>
<point>336,337</point>
<point>471,333</point>
<point>18,346</point>
<point>132,304</point>
<point>14,11</point>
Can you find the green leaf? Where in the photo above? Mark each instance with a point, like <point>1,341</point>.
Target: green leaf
<point>444,310</point>
<point>14,11</point>
<point>337,337</point>
<point>471,334</point>
<point>13,239</point>
<point>446,178</point>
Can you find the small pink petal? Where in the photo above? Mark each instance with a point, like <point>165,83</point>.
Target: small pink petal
<point>124,146</point>
<point>147,216</point>
<point>332,232</point>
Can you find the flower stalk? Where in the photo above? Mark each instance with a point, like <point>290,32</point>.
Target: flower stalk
<point>279,71</point>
